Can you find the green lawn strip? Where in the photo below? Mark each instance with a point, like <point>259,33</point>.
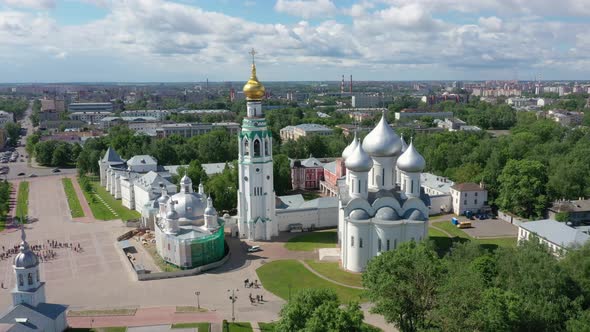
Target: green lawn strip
<point>332,270</point>
<point>451,229</point>
<point>277,276</point>
<point>240,327</point>
<point>22,200</point>
<point>123,212</point>
<point>99,210</point>
<point>498,242</point>
<point>96,329</point>
<point>314,240</point>
<point>73,201</point>
<point>102,312</point>
<point>267,327</point>
<point>308,196</point>
<point>201,327</point>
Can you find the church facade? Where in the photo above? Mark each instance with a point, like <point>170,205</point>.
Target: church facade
<point>381,203</point>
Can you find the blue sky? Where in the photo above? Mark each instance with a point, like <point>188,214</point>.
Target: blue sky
<point>192,40</point>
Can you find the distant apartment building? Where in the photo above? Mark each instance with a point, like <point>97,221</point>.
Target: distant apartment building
<point>521,102</point>
<point>158,114</point>
<point>446,96</point>
<point>136,123</point>
<point>349,129</point>
<point>496,92</point>
<point>90,107</point>
<point>90,117</point>
<point>297,96</point>
<point>304,130</point>
<point>563,117</point>
<point>194,129</point>
<point>51,109</point>
<point>455,124</point>
<point>6,117</point>
<point>411,114</point>
<point>368,101</point>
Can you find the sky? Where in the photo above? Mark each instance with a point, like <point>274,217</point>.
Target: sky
<point>295,40</point>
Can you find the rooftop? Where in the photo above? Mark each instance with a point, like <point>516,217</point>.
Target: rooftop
<point>467,186</point>
<point>556,232</point>
<point>579,205</point>
<point>436,182</point>
<point>312,127</point>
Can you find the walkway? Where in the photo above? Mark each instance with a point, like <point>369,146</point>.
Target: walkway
<point>326,278</point>
<point>88,216</point>
<point>442,231</point>
<point>146,317</point>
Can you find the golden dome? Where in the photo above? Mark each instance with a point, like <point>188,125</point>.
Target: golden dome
<point>253,89</point>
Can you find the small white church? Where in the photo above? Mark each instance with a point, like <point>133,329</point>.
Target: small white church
<point>29,311</point>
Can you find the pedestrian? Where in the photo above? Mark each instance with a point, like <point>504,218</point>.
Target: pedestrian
<point>261,299</point>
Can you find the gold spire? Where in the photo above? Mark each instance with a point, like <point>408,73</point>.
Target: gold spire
<point>253,89</point>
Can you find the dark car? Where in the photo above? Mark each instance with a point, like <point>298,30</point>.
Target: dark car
<point>56,170</point>
<point>21,174</point>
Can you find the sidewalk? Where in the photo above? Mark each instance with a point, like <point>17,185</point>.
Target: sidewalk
<point>146,317</point>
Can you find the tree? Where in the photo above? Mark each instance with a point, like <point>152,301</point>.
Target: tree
<point>522,188</point>
<point>281,174</point>
<point>61,155</point>
<point>13,132</point>
<point>318,310</point>
<point>402,284</point>
<point>223,188</point>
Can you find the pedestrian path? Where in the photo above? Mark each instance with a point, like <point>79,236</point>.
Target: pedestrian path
<point>326,278</point>
<point>107,205</point>
<point>85,207</point>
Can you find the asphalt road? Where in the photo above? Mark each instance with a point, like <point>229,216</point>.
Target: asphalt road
<point>23,167</point>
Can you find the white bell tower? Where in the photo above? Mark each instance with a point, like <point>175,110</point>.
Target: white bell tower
<point>29,288</point>
<point>256,196</point>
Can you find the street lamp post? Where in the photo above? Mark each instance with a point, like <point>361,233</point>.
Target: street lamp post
<point>198,302</point>
<point>233,299</point>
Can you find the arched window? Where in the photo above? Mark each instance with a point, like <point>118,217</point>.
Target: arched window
<point>360,242</point>
<point>246,147</point>
<point>388,245</point>
<point>379,245</point>
<point>256,148</point>
<point>352,241</point>
<point>37,273</point>
<point>266,147</point>
<point>30,278</point>
<point>20,280</point>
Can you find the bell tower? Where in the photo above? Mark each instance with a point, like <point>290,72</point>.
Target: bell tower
<point>29,288</point>
<point>256,197</point>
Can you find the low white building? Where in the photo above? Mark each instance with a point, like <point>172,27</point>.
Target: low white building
<point>438,188</point>
<point>158,114</point>
<point>317,213</point>
<point>468,196</point>
<point>558,236</point>
<point>6,117</point>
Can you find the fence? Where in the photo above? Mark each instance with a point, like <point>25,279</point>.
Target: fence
<point>510,218</point>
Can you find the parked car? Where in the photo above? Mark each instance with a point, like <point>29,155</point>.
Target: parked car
<point>254,249</point>
<point>33,176</point>
<point>55,170</point>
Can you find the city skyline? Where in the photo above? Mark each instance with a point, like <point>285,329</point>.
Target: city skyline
<point>389,40</point>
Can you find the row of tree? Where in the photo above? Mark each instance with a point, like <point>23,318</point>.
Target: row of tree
<point>57,153</point>
<point>4,199</point>
<point>512,289</point>
<point>17,106</point>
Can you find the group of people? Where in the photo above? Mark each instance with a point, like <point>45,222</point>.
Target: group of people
<point>256,299</point>
<point>251,284</point>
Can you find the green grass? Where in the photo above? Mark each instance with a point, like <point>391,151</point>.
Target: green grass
<point>73,201</point>
<point>99,210</point>
<point>332,270</point>
<point>267,327</point>
<point>498,242</point>
<point>240,327</point>
<point>442,243</point>
<point>451,229</point>
<point>308,196</point>
<point>314,240</point>
<point>277,276</point>
<point>22,200</point>
<point>123,212</point>
<point>201,327</point>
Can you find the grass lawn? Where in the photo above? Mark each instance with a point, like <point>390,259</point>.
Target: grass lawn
<point>201,327</point>
<point>239,327</point>
<point>499,242</point>
<point>332,270</point>
<point>451,229</point>
<point>267,327</point>
<point>310,241</point>
<point>99,210</point>
<point>123,212</point>
<point>442,243</point>
<point>308,196</point>
<point>73,201</point>
<point>22,200</point>
<point>277,276</point>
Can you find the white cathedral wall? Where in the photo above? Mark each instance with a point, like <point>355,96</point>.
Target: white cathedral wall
<point>142,197</point>
<point>126,196</point>
<point>382,175</point>
<point>319,218</point>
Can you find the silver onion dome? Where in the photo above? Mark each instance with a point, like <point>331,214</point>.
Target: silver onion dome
<point>382,141</point>
<point>411,161</point>
<point>26,258</point>
<point>404,144</point>
<point>186,180</point>
<point>359,160</point>
<point>348,150</point>
<point>210,210</point>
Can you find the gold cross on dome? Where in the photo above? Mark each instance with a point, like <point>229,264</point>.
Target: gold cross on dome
<point>253,53</point>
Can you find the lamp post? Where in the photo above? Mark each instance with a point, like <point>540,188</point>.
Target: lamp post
<point>233,299</point>
<point>197,293</point>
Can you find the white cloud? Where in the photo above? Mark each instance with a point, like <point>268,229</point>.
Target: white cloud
<point>33,4</point>
<point>306,8</point>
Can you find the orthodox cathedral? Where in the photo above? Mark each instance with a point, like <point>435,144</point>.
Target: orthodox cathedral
<point>380,201</point>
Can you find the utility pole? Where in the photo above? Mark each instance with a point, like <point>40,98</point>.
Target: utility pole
<point>197,293</point>
<point>233,299</point>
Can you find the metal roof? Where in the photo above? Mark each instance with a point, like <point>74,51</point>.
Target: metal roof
<point>556,232</point>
